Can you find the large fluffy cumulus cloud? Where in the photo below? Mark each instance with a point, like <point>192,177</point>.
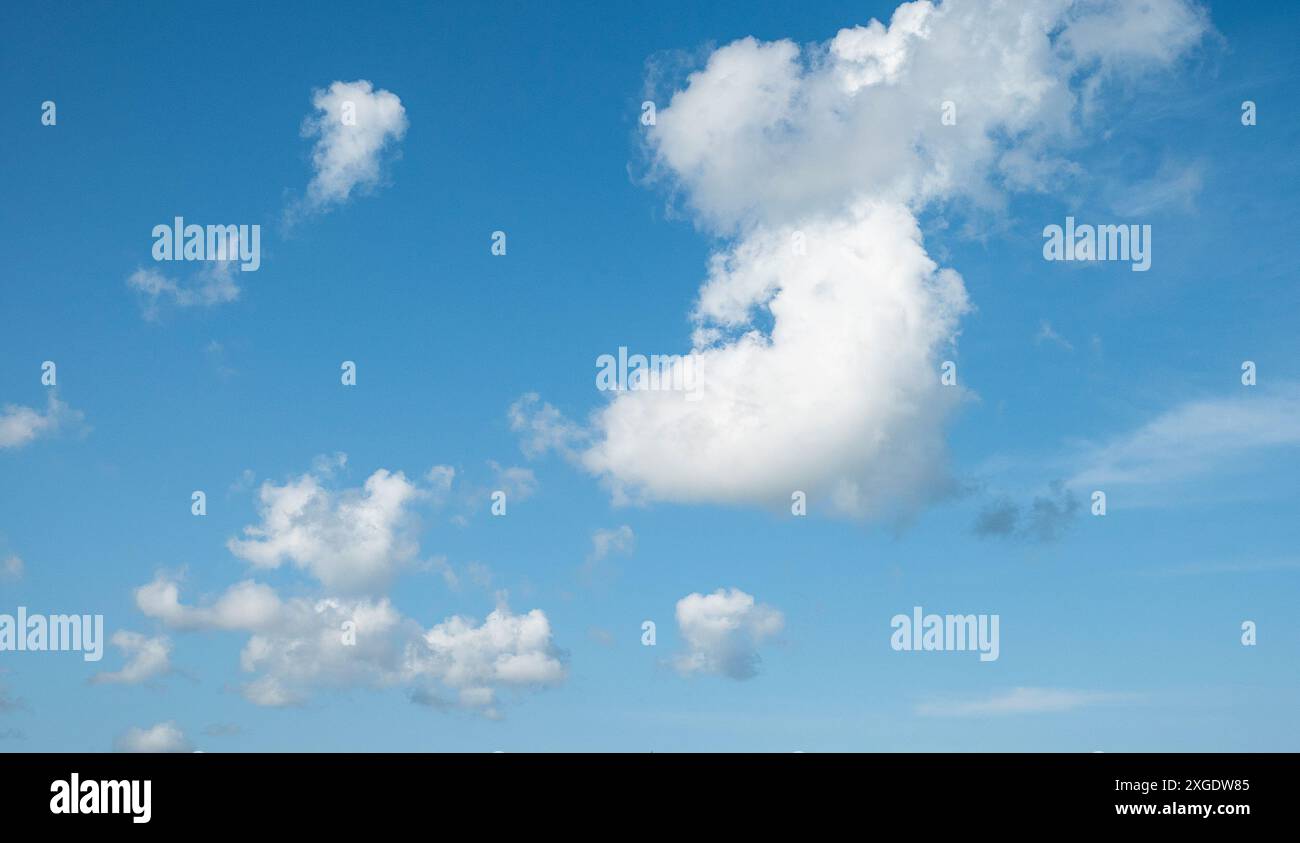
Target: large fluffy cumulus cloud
<point>475,661</point>
<point>822,324</point>
<point>841,399</point>
<point>771,132</point>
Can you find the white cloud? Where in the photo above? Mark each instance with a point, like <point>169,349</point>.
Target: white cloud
<point>211,284</point>
<point>308,646</point>
<point>475,661</point>
<point>770,133</point>
<point>357,539</point>
<point>1020,701</point>
<point>1193,439</point>
<point>722,632</point>
<point>820,371</point>
<point>327,465</point>
<point>346,156</point>
<point>300,645</point>
<point>842,400</point>
<point>146,658</point>
<point>1126,35</point>
<point>351,540</point>
<point>21,425</point>
<point>162,737</point>
<point>244,605</point>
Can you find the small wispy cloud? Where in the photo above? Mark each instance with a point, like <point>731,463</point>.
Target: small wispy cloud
<point>1175,186</point>
<point>604,543</point>
<point>216,354</point>
<point>212,284</point>
<point>1046,333</point>
<point>1193,439</point>
<point>20,425</point>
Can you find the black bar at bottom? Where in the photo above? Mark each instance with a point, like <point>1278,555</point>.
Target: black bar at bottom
<point>1220,792</point>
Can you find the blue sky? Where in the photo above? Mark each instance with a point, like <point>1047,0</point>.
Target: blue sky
<point>1118,633</point>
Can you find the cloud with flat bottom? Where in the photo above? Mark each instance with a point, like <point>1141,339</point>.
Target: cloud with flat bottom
<point>823,322</point>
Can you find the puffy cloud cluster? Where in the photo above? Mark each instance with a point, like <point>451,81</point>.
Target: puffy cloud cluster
<point>722,632</point>
<point>474,661</point>
<point>351,539</point>
<point>771,133</point>
<point>841,399</point>
<point>299,645</point>
<point>353,126</point>
<point>823,322</point>
<point>324,643</point>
